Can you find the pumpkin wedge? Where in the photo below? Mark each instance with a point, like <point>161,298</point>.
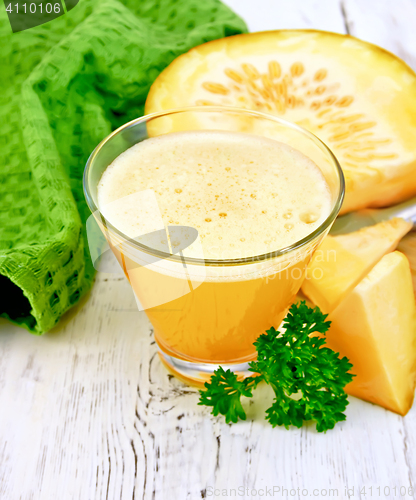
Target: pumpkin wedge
<point>408,246</point>
<point>375,327</point>
<point>358,98</point>
<point>341,262</point>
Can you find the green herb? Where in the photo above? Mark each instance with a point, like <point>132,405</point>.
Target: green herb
<point>308,379</point>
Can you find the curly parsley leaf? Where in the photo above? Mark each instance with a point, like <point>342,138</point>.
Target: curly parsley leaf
<point>223,393</point>
<point>308,379</point>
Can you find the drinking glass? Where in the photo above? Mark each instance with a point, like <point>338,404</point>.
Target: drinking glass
<point>208,312</point>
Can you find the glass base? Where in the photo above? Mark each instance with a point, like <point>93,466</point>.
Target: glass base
<point>197,374</point>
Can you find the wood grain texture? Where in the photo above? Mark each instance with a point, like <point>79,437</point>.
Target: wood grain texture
<point>391,26</point>
<point>297,14</point>
<point>88,412</point>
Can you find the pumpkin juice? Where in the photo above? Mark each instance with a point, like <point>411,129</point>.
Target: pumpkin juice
<point>246,197</point>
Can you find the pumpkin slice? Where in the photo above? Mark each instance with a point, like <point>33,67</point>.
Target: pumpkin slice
<point>341,262</point>
<point>356,97</point>
<point>408,247</point>
<point>375,327</point>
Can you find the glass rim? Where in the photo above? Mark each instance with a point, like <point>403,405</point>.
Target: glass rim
<point>218,262</point>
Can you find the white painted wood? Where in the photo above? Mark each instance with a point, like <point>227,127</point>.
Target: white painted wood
<point>390,25</point>
<point>263,15</point>
<point>87,412</point>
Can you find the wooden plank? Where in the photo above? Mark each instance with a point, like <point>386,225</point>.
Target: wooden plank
<point>297,14</point>
<point>88,412</point>
<point>91,412</point>
<point>389,25</point>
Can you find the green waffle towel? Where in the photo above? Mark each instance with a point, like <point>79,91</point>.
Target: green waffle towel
<point>64,86</point>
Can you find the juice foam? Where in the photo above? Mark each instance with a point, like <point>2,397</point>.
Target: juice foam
<point>246,195</point>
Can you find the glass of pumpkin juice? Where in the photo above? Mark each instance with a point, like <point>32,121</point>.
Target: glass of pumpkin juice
<point>213,213</point>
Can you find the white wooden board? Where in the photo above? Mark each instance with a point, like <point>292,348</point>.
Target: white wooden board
<point>88,412</point>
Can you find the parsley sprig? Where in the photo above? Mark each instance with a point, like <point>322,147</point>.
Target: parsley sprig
<point>307,378</point>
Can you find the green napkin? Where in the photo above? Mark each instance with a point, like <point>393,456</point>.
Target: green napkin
<point>63,87</point>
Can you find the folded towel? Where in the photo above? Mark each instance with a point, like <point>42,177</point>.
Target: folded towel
<point>64,86</point>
